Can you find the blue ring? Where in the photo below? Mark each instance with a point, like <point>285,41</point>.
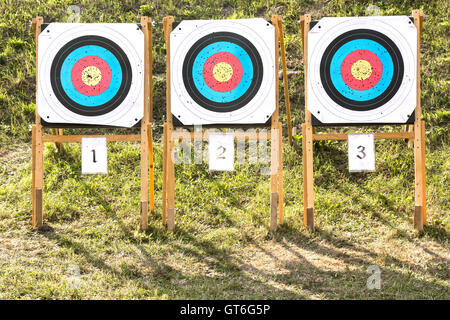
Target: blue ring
<point>247,72</point>
<point>361,95</point>
<point>74,94</point>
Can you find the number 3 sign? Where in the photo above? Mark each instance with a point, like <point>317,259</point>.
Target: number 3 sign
<point>94,155</point>
<point>361,152</point>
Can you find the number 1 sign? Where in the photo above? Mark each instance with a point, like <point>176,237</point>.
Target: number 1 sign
<point>361,152</point>
<point>94,156</point>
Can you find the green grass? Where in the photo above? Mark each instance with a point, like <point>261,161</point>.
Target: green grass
<point>221,247</point>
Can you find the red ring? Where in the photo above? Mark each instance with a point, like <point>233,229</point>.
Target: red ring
<point>372,80</point>
<point>209,65</point>
<point>100,87</point>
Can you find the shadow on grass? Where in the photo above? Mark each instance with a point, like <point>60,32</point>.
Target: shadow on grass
<point>287,264</point>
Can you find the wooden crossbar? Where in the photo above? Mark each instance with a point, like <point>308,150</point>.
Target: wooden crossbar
<point>204,136</point>
<point>376,135</point>
<point>78,138</point>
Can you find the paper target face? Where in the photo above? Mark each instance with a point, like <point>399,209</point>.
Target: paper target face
<point>223,72</point>
<point>91,74</point>
<point>362,70</point>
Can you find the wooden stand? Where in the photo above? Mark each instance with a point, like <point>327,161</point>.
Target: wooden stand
<point>145,137</point>
<point>275,136</point>
<point>414,133</point>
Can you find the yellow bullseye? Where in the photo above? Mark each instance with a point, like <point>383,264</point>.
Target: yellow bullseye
<point>222,72</point>
<point>361,69</point>
<point>91,76</point>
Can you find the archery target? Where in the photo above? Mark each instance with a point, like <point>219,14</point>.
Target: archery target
<point>362,70</point>
<point>91,74</point>
<point>223,72</point>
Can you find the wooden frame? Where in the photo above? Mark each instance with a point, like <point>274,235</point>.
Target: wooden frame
<point>414,134</point>
<point>275,136</point>
<point>145,137</point>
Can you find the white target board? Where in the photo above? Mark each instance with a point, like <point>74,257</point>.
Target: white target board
<point>91,74</point>
<point>223,71</point>
<point>362,70</point>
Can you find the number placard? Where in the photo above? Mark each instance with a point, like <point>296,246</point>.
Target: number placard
<point>221,152</point>
<point>94,156</point>
<point>361,152</point>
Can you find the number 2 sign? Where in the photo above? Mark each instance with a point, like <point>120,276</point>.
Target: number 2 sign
<point>221,152</point>
<point>94,156</point>
<point>361,152</point>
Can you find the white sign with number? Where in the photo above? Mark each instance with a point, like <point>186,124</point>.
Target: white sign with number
<point>361,152</point>
<point>94,156</point>
<point>221,152</point>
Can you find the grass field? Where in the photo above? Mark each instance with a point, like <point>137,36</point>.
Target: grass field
<point>91,247</point>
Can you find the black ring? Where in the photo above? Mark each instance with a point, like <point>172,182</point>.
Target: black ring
<point>384,97</point>
<point>55,75</point>
<point>252,52</point>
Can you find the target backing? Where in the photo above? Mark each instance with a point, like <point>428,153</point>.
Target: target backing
<point>362,70</point>
<point>91,74</point>
<point>223,71</point>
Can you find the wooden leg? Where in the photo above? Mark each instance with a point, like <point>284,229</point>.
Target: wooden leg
<point>170,181</point>
<point>38,176</point>
<point>308,182</point>
<point>144,177</point>
<point>150,166</point>
<point>280,175</point>
<point>274,196</point>
<point>58,145</point>
<point>33,174</point>
<point>419,168</point>
<point>410,128</point>
<point>164,184</point>
<point>424,185</point>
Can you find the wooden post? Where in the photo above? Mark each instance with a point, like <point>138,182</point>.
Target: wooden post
<point>275,141</point>
<point>285,79</point>
<point>164,184</point>
<point>274,195</point>
<point>58,145</point>
<point>144,129</point>
<point>410,128</point>
<point>169,170</point>
<point>38,152</point>
<point>307,137</point>
<point>150,116</point>
<point>308,177</point>
<point>170,180</point>
<point>419,139</point>
<point>33,174</point>
<point>305,22</point>
<point>151,167</point>
<point>280,175</point>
